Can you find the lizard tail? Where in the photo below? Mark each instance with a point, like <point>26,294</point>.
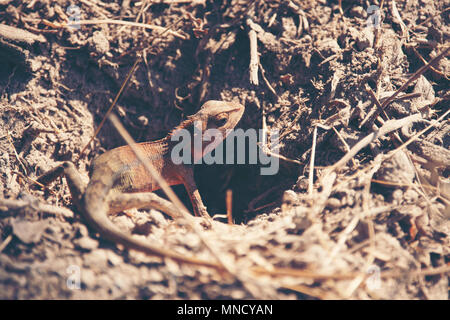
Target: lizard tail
<point>95,209</point>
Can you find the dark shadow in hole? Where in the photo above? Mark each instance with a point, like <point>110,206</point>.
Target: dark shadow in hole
<point>13,77</point>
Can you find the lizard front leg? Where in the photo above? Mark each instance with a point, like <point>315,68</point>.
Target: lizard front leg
<point>192,190</point>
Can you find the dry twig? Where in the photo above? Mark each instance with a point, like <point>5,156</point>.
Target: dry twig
<point>10,204</point>
<point>415,76</point>
<point>125,23</point>
<point>389,126</point>
<point>254,58</point>
<point>229,202</point>
<point>311,164</point>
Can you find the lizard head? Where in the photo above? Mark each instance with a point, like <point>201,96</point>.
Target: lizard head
<point>216,119</point>
<point>211,125</point>
<point>219,115</point>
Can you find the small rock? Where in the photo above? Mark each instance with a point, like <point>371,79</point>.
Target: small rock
<point>427,94</point>
<point>289,199</point>
<point>397,196</point>
<point>86,243</point>
<point>397,169</point>
<point>333,203</point>
<point>88,278</point>
<point>158,218</point>
<point>411,195</point>
<point>113,258</point>
<point>365,39</point>
<point>124,223</point>
<point>290,29</point>
<point>358,12</point>
<point>99,43</point>
<point>82,230</point>
<point>28,231</point>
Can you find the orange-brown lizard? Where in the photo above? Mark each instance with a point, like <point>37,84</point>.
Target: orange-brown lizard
<point>119,181</point>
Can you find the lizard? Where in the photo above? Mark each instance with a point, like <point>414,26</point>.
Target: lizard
<point>119,181</point>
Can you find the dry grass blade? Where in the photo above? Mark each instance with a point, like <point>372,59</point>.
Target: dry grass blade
<point>126,23</point>
<point>15,153</point>
<point>417,135</point>
<point>10,204</point>
<point>254,58</point>
<point>229,203</point>
<point>388,127</point>
<point>381,158</point>
<point>290,272</point>
<point>396,184</point>
<point>371,116</point>
<point>311,165</point>
<point>416,75</point>
<point>122,88</point>
<point>5,242</point>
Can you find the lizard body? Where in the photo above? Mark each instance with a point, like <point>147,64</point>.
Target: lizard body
<point>119,181</point>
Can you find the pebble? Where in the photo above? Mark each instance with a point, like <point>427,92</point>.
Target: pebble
<point>99,43</point>
<point>82,230</point>
<point>86,243</point>
<point>333,203</point>
<point>88,278</point>
<point>365,39</point>
<point>411,195</point>
<point>124,223</point>
<point>158,218</point>
<point>358,11</point>
<point>28,231</point>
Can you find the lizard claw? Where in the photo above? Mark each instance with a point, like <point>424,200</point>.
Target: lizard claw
<point>206,222</point>
<point>206,218</point>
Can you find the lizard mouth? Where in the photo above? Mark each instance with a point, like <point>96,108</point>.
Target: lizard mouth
<point>236,116</point>
<point>236,111</point>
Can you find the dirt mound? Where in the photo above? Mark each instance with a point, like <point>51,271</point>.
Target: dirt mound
<point>353,211</point>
